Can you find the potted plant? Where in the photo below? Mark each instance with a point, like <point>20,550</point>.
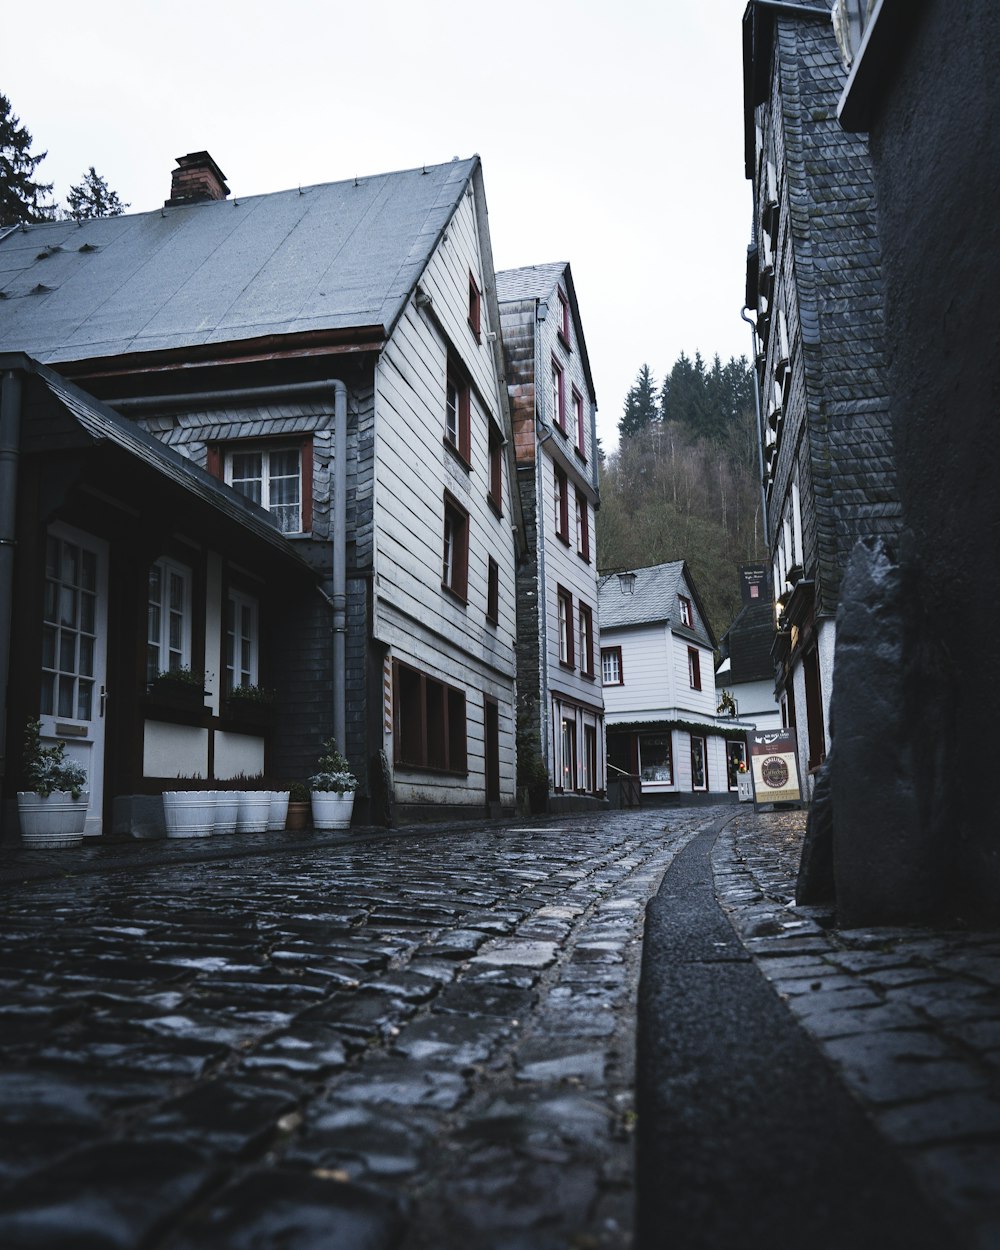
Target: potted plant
<point>249,705</point>
<point>332,785</point>
<point>299,808</point>
<point>189,813</point>
<point>54,812</point>
<point>180,688</point>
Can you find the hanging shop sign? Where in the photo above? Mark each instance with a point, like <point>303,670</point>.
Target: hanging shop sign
<point>774,762</point>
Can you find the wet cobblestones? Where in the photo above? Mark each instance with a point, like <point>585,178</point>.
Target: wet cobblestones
<point>909,1017</point>
<point>422,1042</point>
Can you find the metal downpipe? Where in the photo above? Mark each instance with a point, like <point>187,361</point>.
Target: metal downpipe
<point>10,443</point>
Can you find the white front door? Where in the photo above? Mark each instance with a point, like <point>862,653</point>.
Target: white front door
<point>74,654</point>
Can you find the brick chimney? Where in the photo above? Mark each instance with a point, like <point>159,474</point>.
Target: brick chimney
<point>196,178</point>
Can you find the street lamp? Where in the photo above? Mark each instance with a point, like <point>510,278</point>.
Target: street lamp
<point>626,582</point>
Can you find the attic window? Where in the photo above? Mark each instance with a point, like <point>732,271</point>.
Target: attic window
<point>475,303</point>
<point>687,615</point>
<point>563,317</point>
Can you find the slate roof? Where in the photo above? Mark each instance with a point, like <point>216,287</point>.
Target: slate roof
<point>337,256</point>
<point>529,282</point>
<point>654,600</point>
<point>102,425</point>
<point>747,644</point>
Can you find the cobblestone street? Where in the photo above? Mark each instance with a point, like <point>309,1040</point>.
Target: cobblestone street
<point>427,1038</point>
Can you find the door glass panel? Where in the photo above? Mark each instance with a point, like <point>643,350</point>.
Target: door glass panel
<point>88,573</point>
<point>66,692</point>
<point>68,631</point>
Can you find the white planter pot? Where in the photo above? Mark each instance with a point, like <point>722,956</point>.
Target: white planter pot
<point>330,810</point>
<point>253,811</point>
<point>277,812</point>
<point>189,813</point>
<point>53,822</point>
<point>227,808</point>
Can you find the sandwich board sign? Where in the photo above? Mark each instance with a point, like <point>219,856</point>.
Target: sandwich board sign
<point>774,764</point>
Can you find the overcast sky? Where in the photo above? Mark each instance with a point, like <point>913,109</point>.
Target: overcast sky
<point>610,133</point>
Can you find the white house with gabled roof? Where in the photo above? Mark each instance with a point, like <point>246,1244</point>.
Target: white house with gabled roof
<point>658,679</point>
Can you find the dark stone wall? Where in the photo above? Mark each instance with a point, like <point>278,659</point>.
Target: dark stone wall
<point>935,144</point>
<point>838,421</point>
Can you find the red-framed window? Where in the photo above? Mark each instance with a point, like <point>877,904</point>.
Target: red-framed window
<point>699,763</point>
<point>694,668</point>
<point>558,395</point>
<point>457,409</point>
<point>612,672</point>
<point>567,651</point>
<point>278,475</point>
<point>475,308</point>
<point>429,722</point>
<point>582,527</point>
<point>455,549</point>
<point>493,592</point>
<point>578,424</point>
<point>560,486</point>
<point>563,317</point>
<point>586,640</point>
<point>495,495</point>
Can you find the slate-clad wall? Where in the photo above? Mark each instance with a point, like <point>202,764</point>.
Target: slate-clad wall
<point>836,430</point>
<point>935,142</point>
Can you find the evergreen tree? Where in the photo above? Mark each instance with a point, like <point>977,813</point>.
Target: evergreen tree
<point>21,198</point>
<point>92,198</point>
<point>640,408</point>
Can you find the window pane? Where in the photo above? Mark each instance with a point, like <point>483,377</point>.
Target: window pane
<point>67,606</point>
<point>88,610</point>
<point>85,700</point>
<point>48,689</point>
<point>88,578</point>
<point>71,565</point>
<point>66,692</point>
<point>67,652</point>
<point>52,557</point>
<point>86,667</point>
<point>48,647</point>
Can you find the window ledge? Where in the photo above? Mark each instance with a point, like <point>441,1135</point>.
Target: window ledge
<point>453,594</point>
<point>497,508</point>
<point>456,452</point>
<point>564,341</point>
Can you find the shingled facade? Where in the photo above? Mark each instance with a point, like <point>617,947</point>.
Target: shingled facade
<point>922,94</point>
<point>561,748</point>
<point>813,283</point>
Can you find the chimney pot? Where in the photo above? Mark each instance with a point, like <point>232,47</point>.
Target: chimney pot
<point>197,178</point>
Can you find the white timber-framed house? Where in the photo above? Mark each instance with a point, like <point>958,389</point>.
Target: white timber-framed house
<point>328,359</point>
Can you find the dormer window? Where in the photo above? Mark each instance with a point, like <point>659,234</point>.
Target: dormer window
<point>475,305</point>
<point>563,317</point>
<point>687,612</point>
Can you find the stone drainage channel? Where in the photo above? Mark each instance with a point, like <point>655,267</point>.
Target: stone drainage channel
<point>419,1042</point>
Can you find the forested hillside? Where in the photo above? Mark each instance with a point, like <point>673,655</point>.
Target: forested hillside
<point>684,482</point>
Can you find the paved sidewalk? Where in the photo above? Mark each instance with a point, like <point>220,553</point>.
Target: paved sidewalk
<point>908,1017</point>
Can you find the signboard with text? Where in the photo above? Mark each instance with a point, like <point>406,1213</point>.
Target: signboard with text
<point>774,763</point>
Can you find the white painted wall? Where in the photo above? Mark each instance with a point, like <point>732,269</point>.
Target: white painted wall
<point>174,750</point>
<point>422,624</point>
